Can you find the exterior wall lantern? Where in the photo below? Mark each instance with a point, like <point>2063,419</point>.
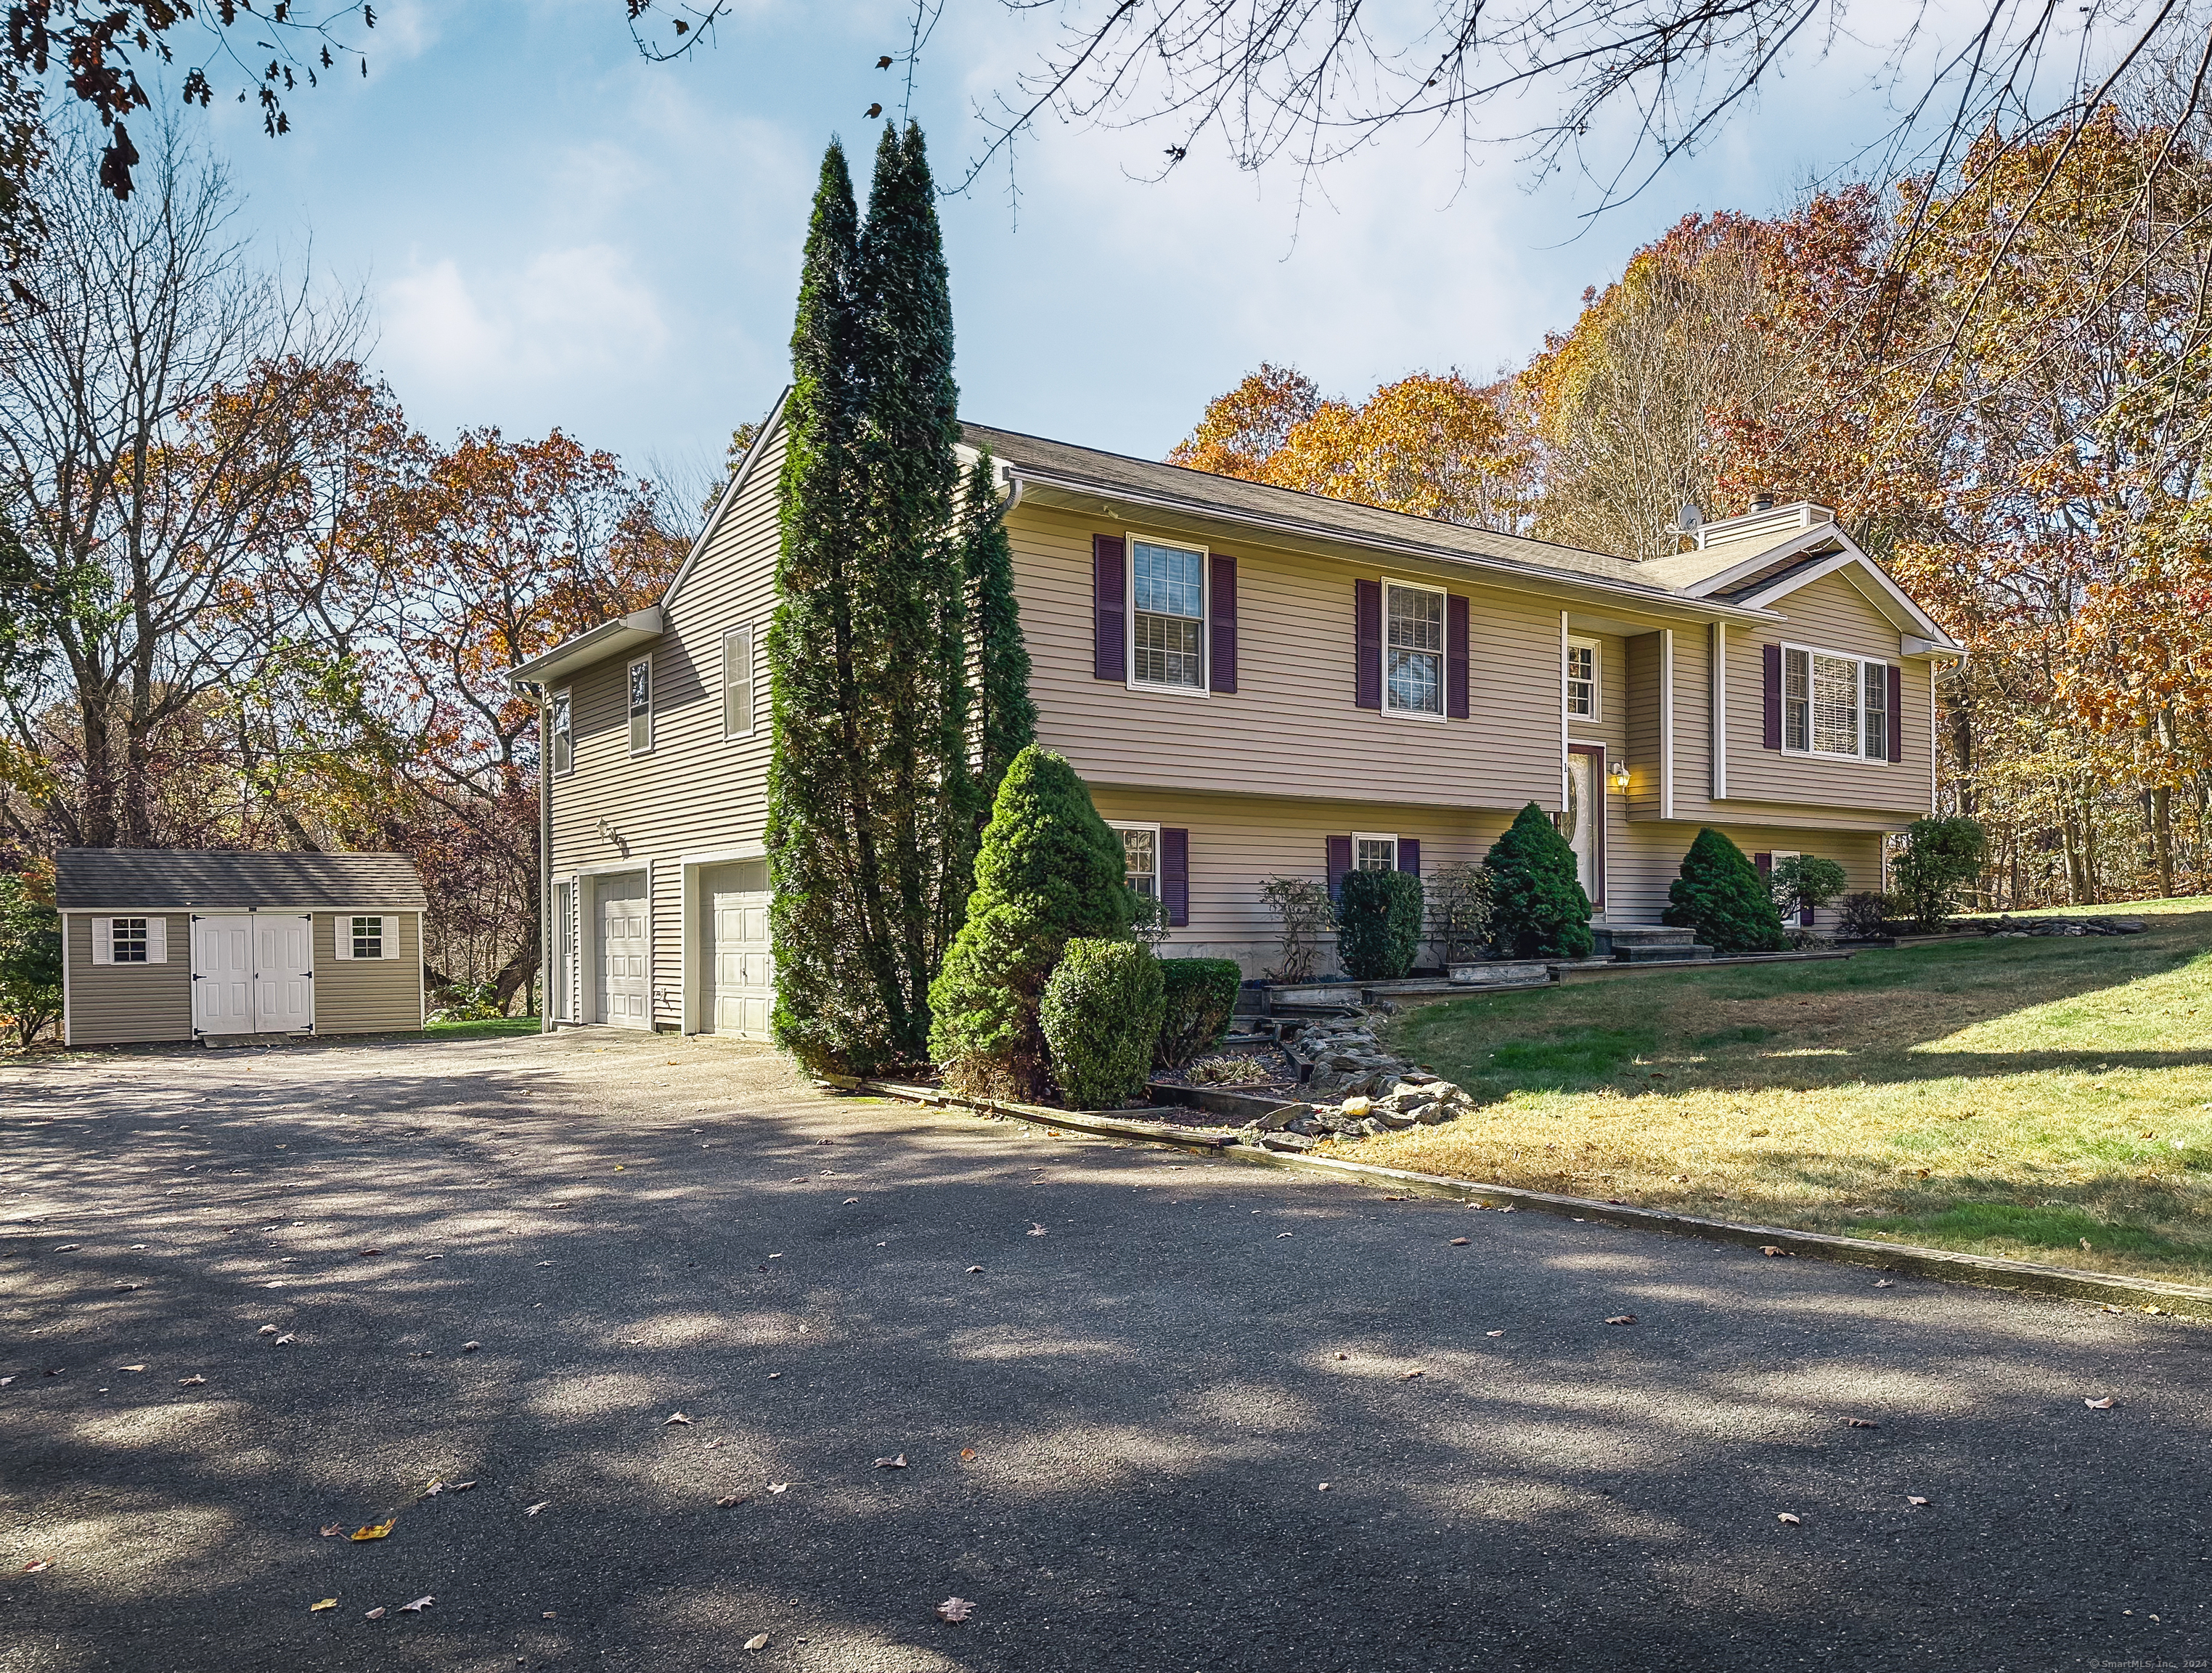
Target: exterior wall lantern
<point>1619,776</point>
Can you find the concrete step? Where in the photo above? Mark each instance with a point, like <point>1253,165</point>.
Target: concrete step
<point>1670,953</point>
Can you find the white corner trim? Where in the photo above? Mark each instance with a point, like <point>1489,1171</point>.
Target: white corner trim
<point>1564,740</point>
<point>1720,711</point>
<point>1665,723</point>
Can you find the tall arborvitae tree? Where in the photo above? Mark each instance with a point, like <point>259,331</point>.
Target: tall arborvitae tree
<point>1006,719</point>
<point>873,802</point>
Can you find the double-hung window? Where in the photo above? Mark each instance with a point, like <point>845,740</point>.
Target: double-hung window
<point>364,937</point>
<point>562,727</point>
<point>1167,598</point>
<point>1140,855</point>
<point>1413,644</point>
<point>640,705</point>
<point>1582,679</point>
<point>738,681</point>
<point>1835,705</point>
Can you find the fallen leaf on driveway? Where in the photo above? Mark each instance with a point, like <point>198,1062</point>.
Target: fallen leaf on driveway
<point>1036,1231</point>
<point>1323,1487</point>
<point>975,1268</point>
<point>729,1499</point>
<point>375,1529</point>
<point>1493,1333</point>
<point>458,1486</point>
<point>64,1249</point>
<point>4,1381</point>
<point>542,1505</point>
<point>376,1614</point>
<point>899,1463</point>
<point>757,1641</point>
<point>1771,1248</point>
<point>772,1375</point>
<point>967,1455</point>
<point>1408,1376</point>
<point>38,1565</point>
<point>372,1251</point>
<point>2104,1405</point>
<point>470,1347</point>
<point>327,1603</point>
<point>1622,1318</point>
<point>850,1201</point>
<point>1861,1423</point>
<point>131,1367</point>
<point>266,1330</point>
<point>678,1418</point>
<point>286,1341</point>
<point>332,1530</point>
<point>436,1487</point>
<point>1885,1283</point>
<point>1785,1516</point>
<point>779,1486</point>
<point>1459,1243</point>
<point>1283,1234</point>
<point>955,1609</point>
<point>417,1606</point>
<point>1911,1499</point>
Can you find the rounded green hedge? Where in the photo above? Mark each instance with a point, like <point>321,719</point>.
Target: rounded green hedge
<point>1101,1017</point>
<point>1201,998</point>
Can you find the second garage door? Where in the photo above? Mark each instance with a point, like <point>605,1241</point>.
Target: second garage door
<point>624,929</point>
<point>740,974</point>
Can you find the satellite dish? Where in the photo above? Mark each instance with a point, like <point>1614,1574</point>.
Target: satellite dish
<point>1689,519</point>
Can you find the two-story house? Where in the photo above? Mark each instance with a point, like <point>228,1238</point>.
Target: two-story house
<point>1257,683</point>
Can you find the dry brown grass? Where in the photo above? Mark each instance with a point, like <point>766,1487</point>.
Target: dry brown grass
<point>2016,1097</point>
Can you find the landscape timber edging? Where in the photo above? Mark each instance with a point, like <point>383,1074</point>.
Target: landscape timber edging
<point>2180,1300</point>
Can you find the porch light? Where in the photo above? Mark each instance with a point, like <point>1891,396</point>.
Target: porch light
<point>1620,776</point>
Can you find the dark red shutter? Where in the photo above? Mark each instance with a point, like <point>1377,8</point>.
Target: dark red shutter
<point>1409,855</point>
<point>1221,650</point>
<point>1896,712</point>
<point>1770,659</point>
<point>1367,632</point>
<point>1110,616</point>
<point>1456,635</point>
<point>1340,863</point>
<point>1175,875</point>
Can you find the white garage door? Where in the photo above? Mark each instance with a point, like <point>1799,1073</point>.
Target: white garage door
<point>740,973</point>
<point>253,974</point>
<point>623,935</point>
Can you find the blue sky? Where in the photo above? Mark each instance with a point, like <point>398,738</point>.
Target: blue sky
<point>552,232</point>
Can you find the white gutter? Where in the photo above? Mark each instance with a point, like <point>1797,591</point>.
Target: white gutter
<point>593,645</point>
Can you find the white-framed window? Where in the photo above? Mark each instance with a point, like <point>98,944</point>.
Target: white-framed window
<point>1582,679</point>
<point>1167,616</point>
<point>563,728</point>
<point>138,940</point>
<point>1374,851</point>
<point>1834,704</point>
<point>1140,856</point>
<point>1412,649</point>
<point>738,681</point>
<point>640,705</point>
<point>364,936</point>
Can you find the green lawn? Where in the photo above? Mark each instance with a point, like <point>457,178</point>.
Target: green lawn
<point>2044,1099</point>
<point>496,1028</point>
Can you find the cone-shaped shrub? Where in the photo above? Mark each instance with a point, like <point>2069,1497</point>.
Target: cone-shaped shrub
<point>1050,869</point>
<point>1721,896</point>
<point>1537,906</point>
<point>1100,1017</point>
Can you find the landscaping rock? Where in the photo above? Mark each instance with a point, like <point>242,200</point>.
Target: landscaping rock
<point>1286,1141</point>
<point>1397,1120</point>
<point>1276,1120</point>
<point>1357,1107</point>
<point>1435,1114</point>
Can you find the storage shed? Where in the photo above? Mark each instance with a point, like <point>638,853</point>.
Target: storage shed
<point>187,944</point>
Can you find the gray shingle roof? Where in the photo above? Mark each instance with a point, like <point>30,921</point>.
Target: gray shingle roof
<point>208,878</point>
<point>1201,490</point>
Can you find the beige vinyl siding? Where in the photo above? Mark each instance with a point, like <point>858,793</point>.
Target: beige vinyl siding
<point>369,996</point>
<point>112,1004</point>
<point>1292,725</point>
<point>1641,652</point>
<point>696,791</point>
<point>1828,614</point>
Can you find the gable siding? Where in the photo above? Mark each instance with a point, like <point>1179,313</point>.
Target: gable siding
<point>114,1004</point>
<point>695,791</point>
<point>1829,614</point>
<point>1291,725</point>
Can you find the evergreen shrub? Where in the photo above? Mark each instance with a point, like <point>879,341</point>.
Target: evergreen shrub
<point>1939,855</point>
<point>1200,997</point>
<point>1806,882</point>
<point>1101,1017</point>
<point>1378,924</point>
<point>1050,869</point>
<point>30,960</point>
<point>1721,895</point>
<point>1537,906</point>
<point>1862,914</point>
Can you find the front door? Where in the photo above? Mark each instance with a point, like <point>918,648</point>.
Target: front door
<point>1585,818</point>
<point>740,974</point>
<point>253,973</point>
<point>623,926</point>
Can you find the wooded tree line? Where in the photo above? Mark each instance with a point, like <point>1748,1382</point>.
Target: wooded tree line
<point>244,602</point>
<point>1999,382</point>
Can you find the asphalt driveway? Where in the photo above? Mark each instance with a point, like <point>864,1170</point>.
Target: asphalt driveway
<point>1118,1378</point>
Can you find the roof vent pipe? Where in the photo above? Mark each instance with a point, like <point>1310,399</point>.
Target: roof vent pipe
<point>1762,500</point>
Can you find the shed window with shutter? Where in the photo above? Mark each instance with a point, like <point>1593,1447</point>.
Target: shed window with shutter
<point>640,705</point>
<point>1414,648</point>
<point>1167,616</point>
<point>1834,704</point>
<point>128,939</point>
<point>738,681</point>
<point>360,937</point>
<point>562,727</point>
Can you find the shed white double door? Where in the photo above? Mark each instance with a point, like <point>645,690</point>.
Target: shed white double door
<point>253,973</point>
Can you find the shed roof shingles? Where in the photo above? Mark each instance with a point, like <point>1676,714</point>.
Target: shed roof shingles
<point>202,878</point>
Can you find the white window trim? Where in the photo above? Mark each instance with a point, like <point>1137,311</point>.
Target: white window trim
<point>1443,655</point>
<point>103,940</point>
<point>1205,686</point>
<point>342,935</point>
<point>752,681</point>
<point>1117,826</point>
<point>1596,715</point>
<point>1809,752</point>
<point>565,702</point>
<point>1389,836</point>
<point>652,696</point>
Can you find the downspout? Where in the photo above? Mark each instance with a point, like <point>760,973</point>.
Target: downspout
<point>549,932</point>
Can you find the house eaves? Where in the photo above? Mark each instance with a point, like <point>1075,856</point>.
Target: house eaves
<point>624,633</point>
